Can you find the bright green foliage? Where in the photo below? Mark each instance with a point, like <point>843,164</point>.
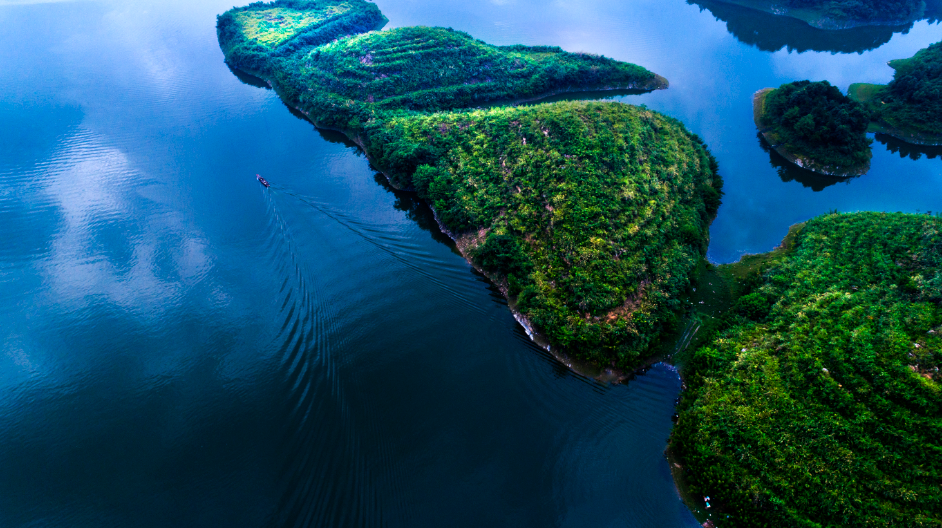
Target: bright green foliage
<point>421,68</point>
<point>913,100</point>
<point>865,10</point>
<point>827,410</point>
<point>252,37</point>
<point>592,217</point>
<point>270,27</point>
<point>596,213</point>
<point>815,121</point>
<point>343,76</point>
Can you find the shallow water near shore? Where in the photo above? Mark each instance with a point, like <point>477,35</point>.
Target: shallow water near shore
<point>184,347</point>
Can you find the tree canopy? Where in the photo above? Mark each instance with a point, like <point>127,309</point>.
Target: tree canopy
<point>816,122</point>
<point>911,104</point>
<point>818,401</point>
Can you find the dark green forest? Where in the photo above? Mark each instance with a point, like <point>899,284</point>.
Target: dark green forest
<point>910,106</point>
<point>817,123</point>
<point>591,217</point>
<point>865,10</point>
<point>817,401</point>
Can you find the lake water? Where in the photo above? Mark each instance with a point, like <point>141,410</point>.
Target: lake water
<point>181,347</point>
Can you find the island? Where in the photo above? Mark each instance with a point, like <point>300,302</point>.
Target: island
<point>813,125</point>
<point>816,399</point>
<point>843,14</point>
<point>592,218</point>
<point>910,106</point>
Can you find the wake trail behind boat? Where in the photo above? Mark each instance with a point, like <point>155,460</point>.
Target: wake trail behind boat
<point>315,471</point>
<point>362,230</point>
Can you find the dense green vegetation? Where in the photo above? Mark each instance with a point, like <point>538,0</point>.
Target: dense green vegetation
<point>817,401</point>
<point>421,68</point>
<point>815,125</point>
<point>343,76</point>
<point>910,107</point>
<point>593,215</point>
<point>255,36</point>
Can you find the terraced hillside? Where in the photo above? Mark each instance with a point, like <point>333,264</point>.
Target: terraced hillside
<point>819,401</point>
<point>421,68</point>
<point>344,82</point>
<point>252,37</point>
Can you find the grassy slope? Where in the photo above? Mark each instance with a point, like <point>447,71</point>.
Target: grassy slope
<point>254,37</point>
<point>910,107</point>
<point>592,217</point>
<point>819,402</point>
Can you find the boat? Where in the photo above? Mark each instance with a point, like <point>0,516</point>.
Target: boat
<point>263,181</point>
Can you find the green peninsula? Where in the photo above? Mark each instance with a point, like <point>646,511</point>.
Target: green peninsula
<point>910,106</point>
<point>842,14</point>
<point>817,399</point>
<point>815,126</point>
<point>591,217</point>
<point>342,81</point>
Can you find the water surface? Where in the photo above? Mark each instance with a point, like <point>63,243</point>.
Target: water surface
<point>182,347</point>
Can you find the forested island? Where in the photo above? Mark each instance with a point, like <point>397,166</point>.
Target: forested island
<point>813,125</point>
<point>816,399</point>
<point>842,14</point>
<point>591,217</point>
<point>910,106</point>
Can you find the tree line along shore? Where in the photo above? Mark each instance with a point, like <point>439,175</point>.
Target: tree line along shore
<point>813,398</point>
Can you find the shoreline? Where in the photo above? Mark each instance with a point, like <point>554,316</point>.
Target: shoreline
<point>866,93</point>
<point>758,105</point>
<point>596,372</point>
<point>913,138</point>
<point>816,18</point>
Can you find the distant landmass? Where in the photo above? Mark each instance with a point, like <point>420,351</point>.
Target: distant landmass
<point>910,106</point>
<point>768,30</point>
<point>842,14</point>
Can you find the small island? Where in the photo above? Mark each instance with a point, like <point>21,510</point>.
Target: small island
<point>842,14</point>
<point>816,399</point>
<point>592,218</point>
<point>813,125</point>
<point>910,106</point>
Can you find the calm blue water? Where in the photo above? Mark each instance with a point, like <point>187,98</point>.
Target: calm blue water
<point>181,347</point>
